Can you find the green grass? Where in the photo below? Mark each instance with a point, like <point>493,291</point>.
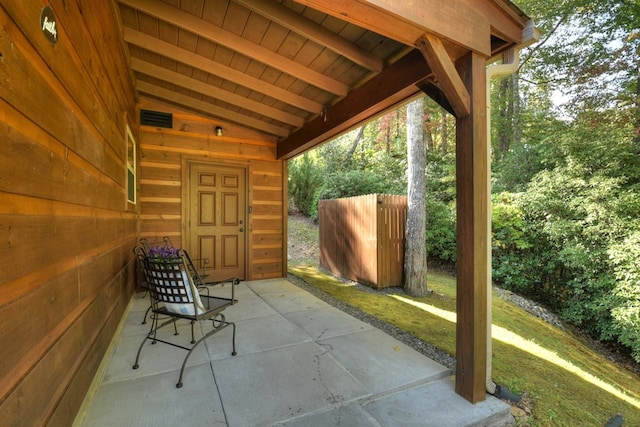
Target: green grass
<point>570,384</point>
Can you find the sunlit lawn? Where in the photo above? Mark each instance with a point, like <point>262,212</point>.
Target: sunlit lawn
<point>571,384</point>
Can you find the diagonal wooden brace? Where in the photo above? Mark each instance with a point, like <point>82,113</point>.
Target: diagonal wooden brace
<point>450,82</point>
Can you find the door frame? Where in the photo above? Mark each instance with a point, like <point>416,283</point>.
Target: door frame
<point>187,161</point>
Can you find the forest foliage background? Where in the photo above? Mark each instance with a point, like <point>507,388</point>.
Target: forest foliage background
<point>565,169</point>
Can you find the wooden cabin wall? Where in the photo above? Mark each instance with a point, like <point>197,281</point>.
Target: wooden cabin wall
<point>66,229</point>
<point>164,153</point>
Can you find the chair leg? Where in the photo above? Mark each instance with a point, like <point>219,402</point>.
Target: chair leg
<point>221,325</point>
<point>154,326</point>
<point>233,339</point>
<point>136,365</point>
<point>146,313</point>
<point>184,362</point>
<point>152,334</point>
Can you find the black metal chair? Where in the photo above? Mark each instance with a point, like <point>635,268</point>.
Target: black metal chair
<point>141,254</point>
<point>142,251</point>
<point>175,295</point>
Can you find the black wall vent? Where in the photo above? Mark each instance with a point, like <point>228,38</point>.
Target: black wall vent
<point>156,118</point>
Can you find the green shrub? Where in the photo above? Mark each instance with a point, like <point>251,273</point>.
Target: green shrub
<point>440,231</point>
<point>304,180</point>
<point>625,260</point>
<point>510,257</point>
<point>352,183</point>
<point>348,184</point>
<point>567,243</point>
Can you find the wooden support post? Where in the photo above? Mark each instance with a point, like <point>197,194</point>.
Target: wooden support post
<point>472,171</point>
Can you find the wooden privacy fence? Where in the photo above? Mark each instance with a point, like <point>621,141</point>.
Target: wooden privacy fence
<point>362,238</point>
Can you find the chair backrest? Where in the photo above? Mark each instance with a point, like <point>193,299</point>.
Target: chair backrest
<point>141,254</point>
<point>167,241</point>
<point>170,283</point>
<point>193,271</point>
<point>144,245</point>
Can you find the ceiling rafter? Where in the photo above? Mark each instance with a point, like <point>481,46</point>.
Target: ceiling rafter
<point>309,29</point>
<point>236,43</point>
<point>218,93</point>
<point>208,108</point>
<point>238,77</point>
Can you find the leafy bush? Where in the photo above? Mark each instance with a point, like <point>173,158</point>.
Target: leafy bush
<point>304,180</point>
<point>352,183</point>
<point>348,184</point>
<point>566,242</point>
<point>441,176</point>
<point>625,259</point>
<point>509,244</point>
<point>573,214</point>
<point>440,231</point>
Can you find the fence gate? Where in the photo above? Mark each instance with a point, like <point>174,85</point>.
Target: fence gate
<point>362,238</point>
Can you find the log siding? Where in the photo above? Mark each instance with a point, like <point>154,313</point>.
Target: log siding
<point>65,226</point>
<point>163,172</point>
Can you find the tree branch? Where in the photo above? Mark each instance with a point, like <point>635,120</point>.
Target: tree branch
<point>562,19</point>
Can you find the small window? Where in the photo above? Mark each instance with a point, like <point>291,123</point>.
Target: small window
<point>131,167</point>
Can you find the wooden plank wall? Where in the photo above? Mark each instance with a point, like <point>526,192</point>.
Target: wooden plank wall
<point>362,238</point>
<point>162,176</point>
<point>65,226</point>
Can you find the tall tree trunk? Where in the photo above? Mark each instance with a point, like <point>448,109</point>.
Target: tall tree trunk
<point>636,136</point>
<point>508,132</point>
<point>397,137</point>
<point>515,120</point>
<point>504,130</point>
<point>444,133</point>
<point>349,160</point>
<point>428,136</point>
<point>415,256</point>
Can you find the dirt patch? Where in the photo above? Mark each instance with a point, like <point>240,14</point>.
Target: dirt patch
<point>303,241</point>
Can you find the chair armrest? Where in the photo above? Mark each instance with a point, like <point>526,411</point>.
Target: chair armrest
<point>233,281</point>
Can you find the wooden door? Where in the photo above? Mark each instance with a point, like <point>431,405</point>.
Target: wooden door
<point>216,219</point>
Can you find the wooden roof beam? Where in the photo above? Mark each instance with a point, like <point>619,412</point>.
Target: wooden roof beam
<point>407,21</point>
<point>466,23</point>
<point>436,94</point>
<point>396,83</point>
<point>194,60</point>
<point>218,35</point>
<point>206,89</point>
<point>208,108</point>
<point>309,29</point>
<point>445,70</point>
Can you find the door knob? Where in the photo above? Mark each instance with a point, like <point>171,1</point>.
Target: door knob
<point>241,229</point>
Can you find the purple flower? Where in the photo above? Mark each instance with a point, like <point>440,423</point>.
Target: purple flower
<point>163,253</point>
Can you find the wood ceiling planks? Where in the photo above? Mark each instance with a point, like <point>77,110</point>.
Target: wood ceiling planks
<point>238,49</point>
<point>275,65</point>
<point>315,32</point>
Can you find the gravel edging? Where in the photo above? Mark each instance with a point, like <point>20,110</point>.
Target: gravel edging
<point>530,306</point>
<point>406,338</point>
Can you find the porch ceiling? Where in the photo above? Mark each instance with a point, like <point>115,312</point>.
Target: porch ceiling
<point>302,72</point>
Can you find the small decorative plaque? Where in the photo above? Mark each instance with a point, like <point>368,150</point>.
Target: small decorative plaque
<point>48,24</point>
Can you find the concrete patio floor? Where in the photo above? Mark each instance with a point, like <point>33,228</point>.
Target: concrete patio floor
<point>300,362</point>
